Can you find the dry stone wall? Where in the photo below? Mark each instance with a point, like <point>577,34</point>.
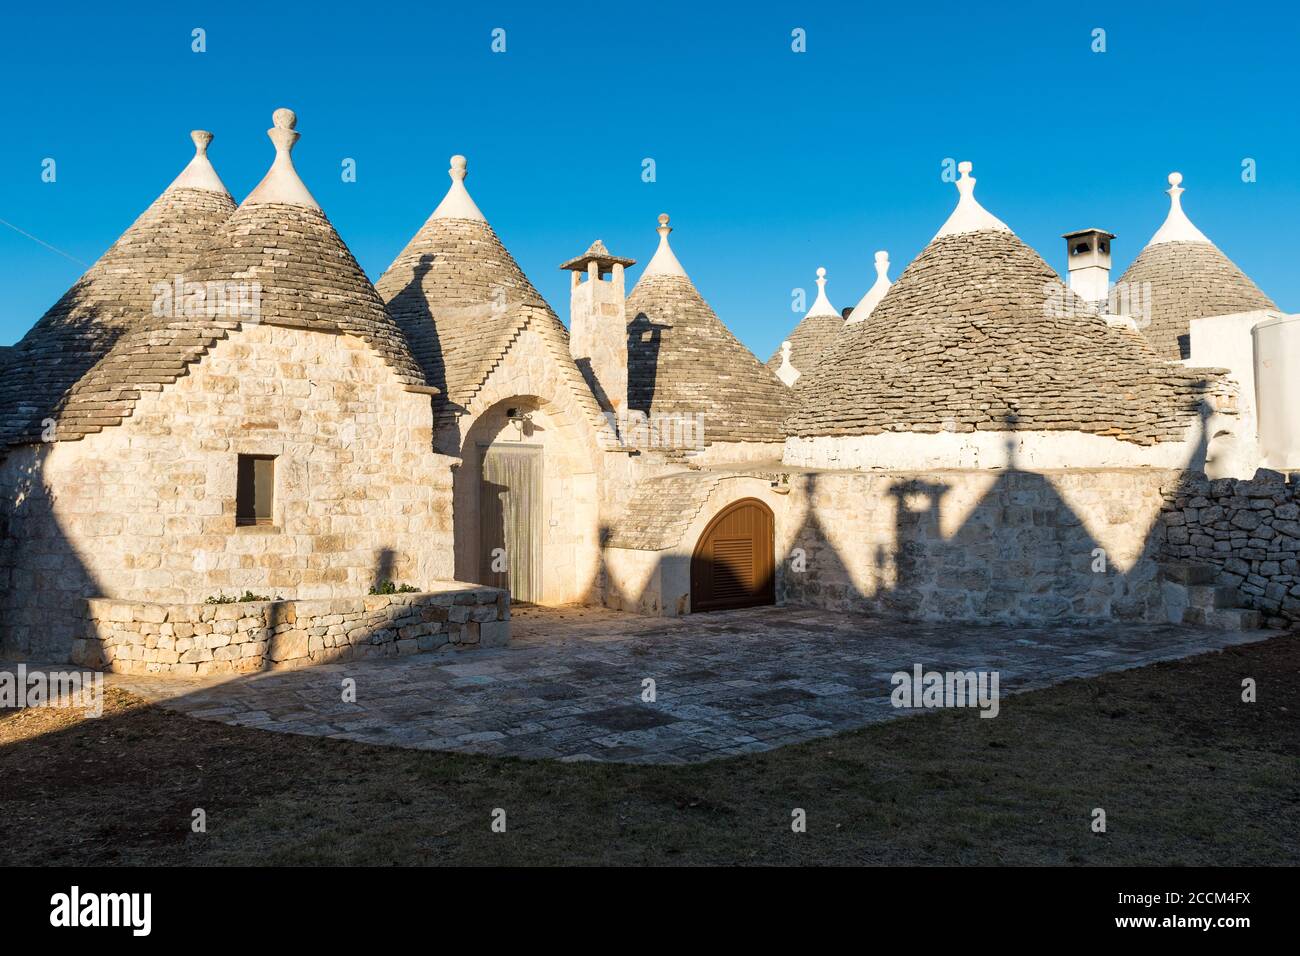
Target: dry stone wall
<point>199,639</point>
<point>1249,530</point>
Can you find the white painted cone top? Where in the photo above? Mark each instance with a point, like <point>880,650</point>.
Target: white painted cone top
<point>1177,227</point>
<point>821,305</point>
<point>281,183</point>
<point>457,204</point>
<point>877,291</point>
<point>969,216</point>
<point>787,373</point>
<point>664,263</point>
<point>200,174</point>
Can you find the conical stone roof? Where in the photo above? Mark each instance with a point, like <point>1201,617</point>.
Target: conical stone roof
<point>979,331</point>
<point>458,294</point>
<point>278,260</point>
<point>111,298</point>
<point>816,330</point>
<point>683,361</point>
<point>1181,276</point>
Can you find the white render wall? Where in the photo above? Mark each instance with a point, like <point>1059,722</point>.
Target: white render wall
<point>906,451</point>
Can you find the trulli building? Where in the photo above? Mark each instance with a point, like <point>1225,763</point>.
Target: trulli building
<point>225,407</point>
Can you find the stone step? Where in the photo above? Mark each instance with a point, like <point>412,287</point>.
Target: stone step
<point>1189,573</point>
<point>1212,596</point>
<point>1233,619</point>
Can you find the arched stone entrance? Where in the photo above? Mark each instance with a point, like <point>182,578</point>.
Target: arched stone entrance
<point>734,563</point>
<point>525,504</point>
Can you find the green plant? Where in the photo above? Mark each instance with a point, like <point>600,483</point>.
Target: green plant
<point>244,598</point>
<point>388,587</point>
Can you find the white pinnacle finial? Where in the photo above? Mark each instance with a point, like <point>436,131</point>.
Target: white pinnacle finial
<point>199,174</point>
<point>281,183</point>
<point>821,305</point>
<point>787,373</point>
<point>457,204</point>
<point>969,216</point>
<point>868,303</point>
<point>1177,227</point>
<point>663,263</point>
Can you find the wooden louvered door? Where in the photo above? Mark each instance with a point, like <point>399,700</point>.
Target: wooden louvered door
<point>510,520</point>
<point>734,563</point>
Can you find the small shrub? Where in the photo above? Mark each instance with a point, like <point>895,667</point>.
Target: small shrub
<point>244,598</point>
<point>388,587</point>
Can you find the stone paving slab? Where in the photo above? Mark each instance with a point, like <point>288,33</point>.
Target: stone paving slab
<point>569,687</point>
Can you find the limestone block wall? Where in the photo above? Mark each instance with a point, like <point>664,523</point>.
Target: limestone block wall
<point>1249,529</point>
<point>997,547</point>
<point>198,639</point>
<point>145,510</point>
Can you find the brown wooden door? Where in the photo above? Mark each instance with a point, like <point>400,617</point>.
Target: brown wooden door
<point>734,563</point>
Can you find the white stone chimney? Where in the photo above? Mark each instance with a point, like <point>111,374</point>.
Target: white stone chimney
<point>1088,260</point>
<point>598,323</point>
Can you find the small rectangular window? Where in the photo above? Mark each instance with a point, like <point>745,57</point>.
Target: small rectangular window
<point>255,490</point>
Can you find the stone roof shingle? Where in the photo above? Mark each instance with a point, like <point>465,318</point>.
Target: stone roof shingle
<point>978,328</point>
<point>307,277</point>
<point>683,361</point>
<point>1187,280</point>
<point>112,298</point>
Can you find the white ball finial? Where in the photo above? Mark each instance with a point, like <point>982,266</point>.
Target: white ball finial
<point>821,273</point>
<point>663,262</point>
<point>882,263</point>
<point>281,183</point>
<point>1177,227</point>
<point>459,168</point>
<point>969,216</point>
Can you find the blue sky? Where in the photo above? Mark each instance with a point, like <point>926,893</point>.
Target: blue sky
<point>771,162</point>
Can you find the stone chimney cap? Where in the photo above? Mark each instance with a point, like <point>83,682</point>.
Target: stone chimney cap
<point>601,255</point>
<point>1088,232</point>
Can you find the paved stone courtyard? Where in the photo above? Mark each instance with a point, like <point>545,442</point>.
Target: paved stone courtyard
<point>729,683</point>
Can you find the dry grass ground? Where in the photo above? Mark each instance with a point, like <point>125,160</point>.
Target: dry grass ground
<point>1186,772</point>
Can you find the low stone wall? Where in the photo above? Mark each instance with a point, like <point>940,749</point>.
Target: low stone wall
<point>197,639</point>
<point>1249,530</point>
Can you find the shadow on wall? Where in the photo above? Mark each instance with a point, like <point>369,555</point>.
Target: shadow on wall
<point>42,577</point>
<point>410,309</point>
<point>1021,552</point>
<point>644,339</point>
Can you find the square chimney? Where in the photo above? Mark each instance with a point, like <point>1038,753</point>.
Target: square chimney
<point>1088,252</point>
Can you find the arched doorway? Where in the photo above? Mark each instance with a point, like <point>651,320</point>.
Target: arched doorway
<point>526,504</point>
<point>734,564</point>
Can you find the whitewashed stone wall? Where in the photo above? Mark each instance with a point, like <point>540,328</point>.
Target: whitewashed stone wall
<point>200,639</point>
<point>146,510</point>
